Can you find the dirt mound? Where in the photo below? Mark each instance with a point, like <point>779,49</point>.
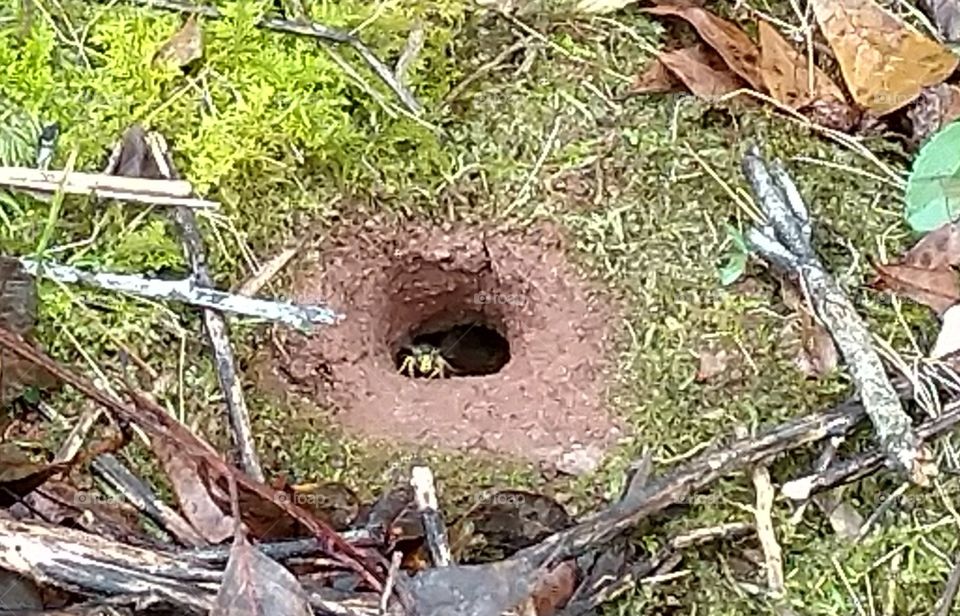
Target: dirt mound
<point>521,336</point>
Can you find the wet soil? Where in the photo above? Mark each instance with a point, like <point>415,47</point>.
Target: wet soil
<point>523,339</point>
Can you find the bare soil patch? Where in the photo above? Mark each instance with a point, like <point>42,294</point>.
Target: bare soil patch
<point>524,338</point>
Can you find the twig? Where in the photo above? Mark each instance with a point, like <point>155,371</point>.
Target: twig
<point>784,240</point>
<point>267,271</point>
<point>435,532</point>
<point>391,578</point>
<point>946,600</point>
<point>158,423</point>
<point>311,29</point>
<point>216,324</point>
<point>89,564</point>
<point>135,491</point>
<point>188,292</point>
<point>772,553</point>
<point>411,50</point>
<point>157,192</point>
<point>864,464</point>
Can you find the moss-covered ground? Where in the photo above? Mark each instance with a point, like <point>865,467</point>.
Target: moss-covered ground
<point>273,127</point>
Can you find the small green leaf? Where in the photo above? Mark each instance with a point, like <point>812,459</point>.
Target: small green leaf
<point>737,238</point>
<point>933,188</point>
<point>733,268</point>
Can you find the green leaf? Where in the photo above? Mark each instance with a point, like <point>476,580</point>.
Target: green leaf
<point>733,268</point>
<point>933,188</point>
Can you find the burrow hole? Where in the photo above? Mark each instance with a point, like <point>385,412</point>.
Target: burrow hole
<point>467,349</point>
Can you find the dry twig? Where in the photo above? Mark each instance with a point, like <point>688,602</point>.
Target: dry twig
<point>784,240</point>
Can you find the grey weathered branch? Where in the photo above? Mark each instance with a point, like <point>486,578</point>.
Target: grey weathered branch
<point>188,292</point>
<point>784,239</point>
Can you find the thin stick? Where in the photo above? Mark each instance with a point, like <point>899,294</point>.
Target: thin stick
<point>135,491</point>
<point>216,324</point>
<point>311,29</point>
<point>160,192</point>
<point>772,553</point>
<point>945,603</point>
<point>425,496</point>
<point>395,561</point>
<point>267,271</point>
<point>187,291</point>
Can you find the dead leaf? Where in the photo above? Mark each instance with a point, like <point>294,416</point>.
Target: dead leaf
<point>656,78</point>
<point>948,340</point>
<point>333,502</point>
<point>786,74</point>
<point>938,249</point>
<point>884,61</point>
<point>185,46</point>
<point>702,71</point>
<point>946,16</point>
<point>937,289</point>
<point>553,590</point>
<point>714,361</point>
<point>193,494</point>
<point>255,585</point>
<point>818,354</point>
<point>18,313</point>
<point>741,55</point>
<point>19,475</point>
<point>936,107</point>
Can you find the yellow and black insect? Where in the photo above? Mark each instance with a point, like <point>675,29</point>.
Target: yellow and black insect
<point>424,360</point>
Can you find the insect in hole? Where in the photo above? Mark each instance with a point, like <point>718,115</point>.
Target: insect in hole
<point>424,360</point>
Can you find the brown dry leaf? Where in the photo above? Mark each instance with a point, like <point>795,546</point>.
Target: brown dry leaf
<point>185,46</point>
<point>884,61</point>
<point>818,354</point>
<point>713,363</point>
<point>702,71</point>
<point>786,72</point>
<point>18,313</point>
<point>734,46</point>
<point>193,494</point>
<point>936,288</point>
<point>938,249</point>
<point>255,585</point>
<point>554,589</point>
<point>656,78</point>
<point>936,107</point>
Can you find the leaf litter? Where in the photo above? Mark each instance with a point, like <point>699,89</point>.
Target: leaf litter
<point>885,63</point>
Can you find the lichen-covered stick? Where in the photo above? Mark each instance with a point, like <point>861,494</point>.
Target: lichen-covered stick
<point>784,240</point>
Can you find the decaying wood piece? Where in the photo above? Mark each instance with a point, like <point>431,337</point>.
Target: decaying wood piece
<point>189,292</point>
<point>88,564</point>
<point>139,190</point>
<point>784,240</point>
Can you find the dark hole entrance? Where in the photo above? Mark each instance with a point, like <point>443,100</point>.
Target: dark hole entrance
<point>469,349</point>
